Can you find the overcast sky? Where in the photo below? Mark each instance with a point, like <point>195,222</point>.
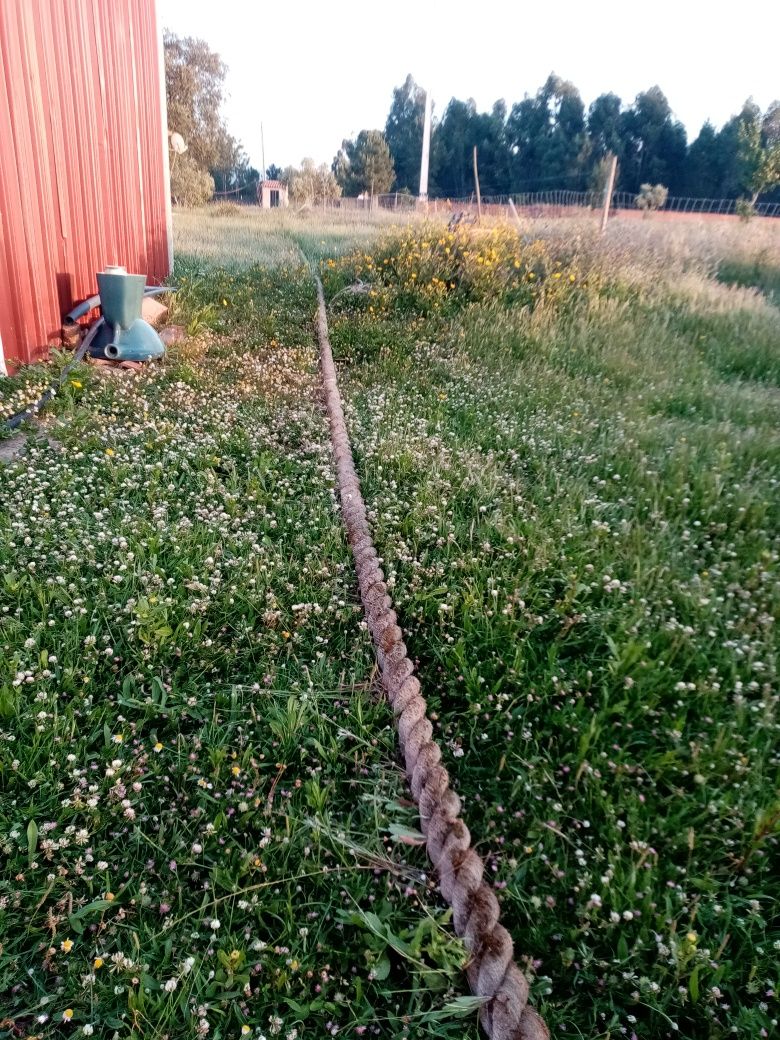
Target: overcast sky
<point>314,73</point>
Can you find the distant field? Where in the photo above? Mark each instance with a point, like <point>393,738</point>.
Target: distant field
<point>570,452</point>
<point>241,235</point>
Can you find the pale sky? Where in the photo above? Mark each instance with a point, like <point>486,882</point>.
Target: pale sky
<point>314,73</point>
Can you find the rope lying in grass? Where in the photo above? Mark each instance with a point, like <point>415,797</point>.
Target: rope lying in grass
<point>491,970</point>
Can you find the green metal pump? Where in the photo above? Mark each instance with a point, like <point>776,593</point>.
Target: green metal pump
<point>121,297</point>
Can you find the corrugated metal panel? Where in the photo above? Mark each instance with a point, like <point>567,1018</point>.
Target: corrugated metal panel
<point>83,169</point>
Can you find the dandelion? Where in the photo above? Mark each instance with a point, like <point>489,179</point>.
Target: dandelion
<point>118,738</point>
<point>66,945</point>
<point>157,747</point>
<point>97,963</point>
<point>78,385</point>
<point>110,452</point>
<point>67,1014</point>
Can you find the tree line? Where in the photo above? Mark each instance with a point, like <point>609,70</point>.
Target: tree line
<point>546,141</point>
<point>550,140</point>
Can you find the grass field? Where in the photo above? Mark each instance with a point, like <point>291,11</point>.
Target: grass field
<point>570,451</point>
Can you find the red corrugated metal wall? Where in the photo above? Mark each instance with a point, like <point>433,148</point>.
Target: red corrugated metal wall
<point>83,168</point>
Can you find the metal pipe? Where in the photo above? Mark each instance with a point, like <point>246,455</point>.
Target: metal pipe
<point>94,301</point>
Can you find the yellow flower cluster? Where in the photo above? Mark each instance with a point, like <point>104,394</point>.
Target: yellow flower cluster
<point>432,267</point>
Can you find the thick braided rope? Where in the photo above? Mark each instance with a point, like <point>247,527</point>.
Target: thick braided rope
<point>492,973</point>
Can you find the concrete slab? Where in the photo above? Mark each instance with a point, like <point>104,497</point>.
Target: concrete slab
<point>12,447</point>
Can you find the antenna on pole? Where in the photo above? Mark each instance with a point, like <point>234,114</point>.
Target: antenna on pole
<point>426,148</point>
<point>262,152</point>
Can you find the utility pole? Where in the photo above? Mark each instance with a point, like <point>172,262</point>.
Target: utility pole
<point>476,183</point>
<point>426,148</point>
<point>608,193</point>
<point>262,152</point>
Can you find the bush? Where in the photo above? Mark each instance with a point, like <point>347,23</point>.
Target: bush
<point>427,269</point>
<point>190,185</point>
<point>225,209</point>
<point>652,197</point>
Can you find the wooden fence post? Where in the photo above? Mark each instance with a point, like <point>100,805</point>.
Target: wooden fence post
<point>608,193</point>
<point>476,182</point>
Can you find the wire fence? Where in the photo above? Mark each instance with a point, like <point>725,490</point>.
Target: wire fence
<point>563,199</point>
<point>555,202</point>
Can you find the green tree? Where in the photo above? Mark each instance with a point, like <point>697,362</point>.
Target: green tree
<point>546,138</point>
<point>191,185</point>
<point>461,130</point>
<point>311,185</point>
<point>526,129</point>
<point>730,150</point>
<point>605,128</point>
<point>654,143</point>
<point>760,153</point>
<point>194,82</point>
<point>563,154</point>
<point>404,133</point>
<point>364,165</point>
<point>704,165</point>
<point>451,159</point>
<point>489,136</point>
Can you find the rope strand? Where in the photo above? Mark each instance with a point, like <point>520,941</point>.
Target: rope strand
<point>491,971</point>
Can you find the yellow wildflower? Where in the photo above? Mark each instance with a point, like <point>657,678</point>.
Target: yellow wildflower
<point>66,946</point>
<point>97,963</point>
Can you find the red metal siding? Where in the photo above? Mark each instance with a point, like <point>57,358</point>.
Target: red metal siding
<point>83,168</point>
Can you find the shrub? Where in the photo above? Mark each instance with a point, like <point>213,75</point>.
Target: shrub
<point>652,197</point>
<point>225,209</point>
<point>427,269</point>
<point>190,185</point>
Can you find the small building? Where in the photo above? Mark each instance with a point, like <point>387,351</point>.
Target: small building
<point>272,194</point>
<point>84,176</point>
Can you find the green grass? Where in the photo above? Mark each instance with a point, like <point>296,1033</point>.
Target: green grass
<point>758,273</point>
<point>236,236</point>
<point>199,785</point>
<point>579,508</point>
<point>572,468</point>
